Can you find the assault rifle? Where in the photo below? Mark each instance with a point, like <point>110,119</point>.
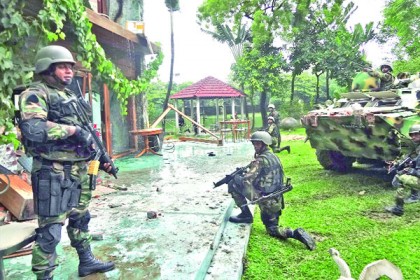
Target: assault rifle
<point>285,188</point>
<point>400,165</point>
<point>100,155</point>
<point>229,177</point>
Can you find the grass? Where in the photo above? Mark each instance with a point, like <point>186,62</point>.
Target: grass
<point>344,211</point>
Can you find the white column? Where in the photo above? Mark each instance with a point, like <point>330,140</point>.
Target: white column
<point>233,107</point>
<point>217,112</point>
<point>198,111</point>
<point>242,107</point>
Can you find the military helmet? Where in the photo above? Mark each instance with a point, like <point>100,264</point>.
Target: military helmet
<point>271,106</point>
<point>52,54</point>
<point>271,118</point>
<point>415,128</point>
<point>262,136</point>
<point>386,65</point>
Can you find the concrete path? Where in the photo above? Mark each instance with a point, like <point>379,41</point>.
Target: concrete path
<point>189,239</point>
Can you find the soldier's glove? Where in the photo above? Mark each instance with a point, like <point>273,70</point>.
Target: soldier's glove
<point>411,171</point>
<point>83,137</point>
<point>238,179</point>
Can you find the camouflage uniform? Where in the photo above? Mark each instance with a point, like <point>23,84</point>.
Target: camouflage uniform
<point>408,183</point>
<point>59,174</point>
<point>273,113</point>
<point>52,156</point>
<point>273,130</point>
<point>387,79</point>
<point>265,175</point>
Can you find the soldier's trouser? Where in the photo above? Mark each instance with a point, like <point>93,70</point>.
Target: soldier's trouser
<point>49,232</point>
<point>405,184</point>
<point>270,215</point>
<point>240,193</point>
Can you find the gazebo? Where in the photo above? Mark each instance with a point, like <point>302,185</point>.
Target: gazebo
<point>209,88</point>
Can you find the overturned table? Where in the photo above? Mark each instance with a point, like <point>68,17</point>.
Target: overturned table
<point>145,133</point>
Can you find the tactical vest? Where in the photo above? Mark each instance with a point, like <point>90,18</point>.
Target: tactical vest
<point>271,175</point>
<point>63,150</point>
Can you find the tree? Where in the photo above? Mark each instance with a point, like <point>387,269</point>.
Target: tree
<point>402,21</point>
<point>173,6</point>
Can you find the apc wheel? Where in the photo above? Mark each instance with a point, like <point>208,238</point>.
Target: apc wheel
<point>332,160</point>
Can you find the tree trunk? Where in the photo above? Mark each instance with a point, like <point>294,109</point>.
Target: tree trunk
<point>263,107</point>
<point>171,74</point>
<point>292,88</point>
<point>327,83</point>
<point>317,89</point>
<point>253,108</point>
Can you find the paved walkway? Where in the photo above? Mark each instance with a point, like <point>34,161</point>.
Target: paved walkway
<point>190,238</point>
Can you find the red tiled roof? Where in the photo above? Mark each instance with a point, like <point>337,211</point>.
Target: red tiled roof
<point>209,87</point>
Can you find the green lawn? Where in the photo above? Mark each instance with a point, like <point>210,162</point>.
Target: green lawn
<point>344,211</point>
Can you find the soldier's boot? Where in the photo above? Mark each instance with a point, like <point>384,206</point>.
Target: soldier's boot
<point>89,264</point>
<point>414,197</point>
<point>398,208</point>
<point>287,148</point>
<point>245,217</point>
<point>302,236</point>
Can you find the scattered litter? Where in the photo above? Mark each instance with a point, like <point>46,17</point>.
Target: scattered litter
<point>97,236</point>
<point>152,214</point>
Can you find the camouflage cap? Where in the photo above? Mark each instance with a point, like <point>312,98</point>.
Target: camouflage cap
<point>271,118</point>
<point>271,106</point>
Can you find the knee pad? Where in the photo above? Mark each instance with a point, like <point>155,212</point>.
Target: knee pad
<point>48,237</point>
<point>80,222</point>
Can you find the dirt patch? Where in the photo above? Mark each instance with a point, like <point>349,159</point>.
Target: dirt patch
<point>293,137</point>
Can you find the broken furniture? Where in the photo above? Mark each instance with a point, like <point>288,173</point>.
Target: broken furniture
<point>14,237</point>
<point>18,198</point>
<point>146,133</point>
<point>238,131</point>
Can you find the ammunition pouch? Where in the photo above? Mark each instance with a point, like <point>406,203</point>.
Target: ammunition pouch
<point>53,194</point>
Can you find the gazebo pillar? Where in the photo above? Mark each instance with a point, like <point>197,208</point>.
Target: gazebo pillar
<point>176,116</point>
<point>217,113</point>
<point>233,107</point>
<point>242,108</point>
<point>198,112</point>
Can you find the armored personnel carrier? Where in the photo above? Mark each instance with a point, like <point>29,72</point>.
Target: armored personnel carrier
<point>364,127</point>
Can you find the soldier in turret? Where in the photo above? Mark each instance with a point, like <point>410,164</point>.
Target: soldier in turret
<point>53,135</point>
<point>408,178</point>
<point>264,177</point>
<point>385,76</point>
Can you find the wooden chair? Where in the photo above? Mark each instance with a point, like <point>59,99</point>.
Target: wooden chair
<point>225,132</point>
<point>13,238</point>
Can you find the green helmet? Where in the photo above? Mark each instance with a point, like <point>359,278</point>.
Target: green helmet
<point>262,136</point>
<point>415,128</point>
<point>51,54</point>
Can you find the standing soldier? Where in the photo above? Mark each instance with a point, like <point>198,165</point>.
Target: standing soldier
<point>276,116</point>
<point>264,177</point>
<point>52,135</point>
<point>408,178</point>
